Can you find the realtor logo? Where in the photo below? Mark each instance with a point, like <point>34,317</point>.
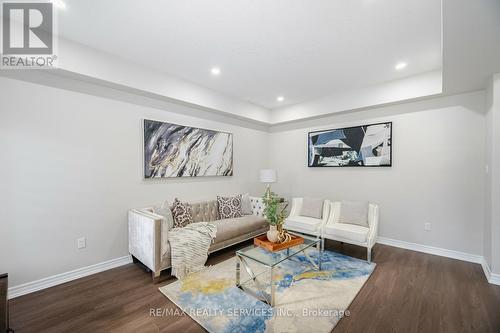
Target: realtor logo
<point>28,35</point>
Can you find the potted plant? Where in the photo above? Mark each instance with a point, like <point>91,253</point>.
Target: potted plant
<point>274,211</point>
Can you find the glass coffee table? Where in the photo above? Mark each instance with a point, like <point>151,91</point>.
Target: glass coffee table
<point>270,260</point>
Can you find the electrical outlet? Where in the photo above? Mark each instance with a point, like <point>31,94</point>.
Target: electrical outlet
<point>81,243</point>
<point>427,227</point>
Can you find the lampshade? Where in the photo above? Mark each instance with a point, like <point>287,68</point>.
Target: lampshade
<point>268,176</point>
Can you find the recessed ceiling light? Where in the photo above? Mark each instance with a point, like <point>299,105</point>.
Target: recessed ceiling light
<point>400,65</point>
<point>280,98</point>
<point>215,71</point>
<point>59,4</point>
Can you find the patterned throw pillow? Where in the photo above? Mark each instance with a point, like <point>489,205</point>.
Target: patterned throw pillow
<point>257,206</point>
<point>181,212</point>
<point>229,207</point>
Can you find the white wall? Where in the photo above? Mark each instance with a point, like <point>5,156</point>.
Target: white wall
<point>437,174</point>
<point>487,242</point>
<point>71,166</point>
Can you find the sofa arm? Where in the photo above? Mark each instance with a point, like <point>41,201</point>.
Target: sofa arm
<point>144,237</point>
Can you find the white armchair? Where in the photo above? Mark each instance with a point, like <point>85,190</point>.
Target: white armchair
<point>304,224</point>
<point>352,233</point>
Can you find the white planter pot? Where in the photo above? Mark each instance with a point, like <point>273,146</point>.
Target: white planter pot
<point>272,234</point>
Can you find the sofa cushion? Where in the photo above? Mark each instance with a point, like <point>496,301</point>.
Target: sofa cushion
<point>302,222</point>
<point>204,211</point>
<point>347,231</point>
<point>312,208</point>
<point>181,211</point>
<point>232,228</point>
<point>353,212</point>
<point>229,207</point>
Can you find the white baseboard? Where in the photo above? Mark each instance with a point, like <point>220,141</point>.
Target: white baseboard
<point>54,280</point>
<point>494,279</point>
<point>431,250</point>
<point>491,277</point>
<point>486,269</point>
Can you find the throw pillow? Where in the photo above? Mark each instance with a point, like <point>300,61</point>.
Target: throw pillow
<point>352,212</point>
<point>166,213</point>
<point>312,208</point>
<point>257,206</point>
<point>229,207</point>
<point>181,212</point>
<point>246,206</point>
<point>167,224</point>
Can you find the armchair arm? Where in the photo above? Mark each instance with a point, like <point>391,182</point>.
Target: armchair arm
<point>373,219</point>
<point>326,215</point>
<point>334,213</point>
<point>144,237</point>
<point>296,206</point>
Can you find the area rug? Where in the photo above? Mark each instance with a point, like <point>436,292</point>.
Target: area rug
<point>306,300</point>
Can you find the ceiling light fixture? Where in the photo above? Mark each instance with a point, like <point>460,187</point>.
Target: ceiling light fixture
<point>400,65</point>
<point>59,4</point>
<point>280,98</point>
<point>215,71</point>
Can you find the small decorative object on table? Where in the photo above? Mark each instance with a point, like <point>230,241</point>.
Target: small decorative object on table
<point>274,212</point>
<point>264,242</point>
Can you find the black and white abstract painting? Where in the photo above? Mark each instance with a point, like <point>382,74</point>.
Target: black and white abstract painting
<point>368,145</point>
<point>172,150</point>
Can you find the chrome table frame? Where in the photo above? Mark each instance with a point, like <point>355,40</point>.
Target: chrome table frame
<point>241,260</point>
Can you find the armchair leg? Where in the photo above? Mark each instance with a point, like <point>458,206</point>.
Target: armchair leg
<point>369,254</point>
<point>155,276</point>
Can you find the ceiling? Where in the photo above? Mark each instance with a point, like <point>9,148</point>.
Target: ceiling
<point>300,49</point>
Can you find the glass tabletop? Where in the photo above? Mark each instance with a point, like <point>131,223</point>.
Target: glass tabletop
<point>272,259</point>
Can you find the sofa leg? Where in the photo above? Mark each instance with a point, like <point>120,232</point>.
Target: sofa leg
<point>369,255</point>
<point>155,276</point>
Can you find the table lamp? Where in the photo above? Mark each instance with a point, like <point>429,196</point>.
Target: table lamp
<point>268,176</point>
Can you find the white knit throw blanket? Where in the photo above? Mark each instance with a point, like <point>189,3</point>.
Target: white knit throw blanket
<point>189,247</point>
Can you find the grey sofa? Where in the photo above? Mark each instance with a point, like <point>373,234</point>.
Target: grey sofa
<point>148,232</point>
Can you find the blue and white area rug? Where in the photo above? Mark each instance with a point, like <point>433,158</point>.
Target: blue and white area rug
<point>306,300</point>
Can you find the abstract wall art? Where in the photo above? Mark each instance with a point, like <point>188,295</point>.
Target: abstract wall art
<point>172,150</point>
<point>368,145</point>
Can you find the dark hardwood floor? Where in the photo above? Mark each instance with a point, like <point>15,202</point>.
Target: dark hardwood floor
<point>3,303</point>
<point>408,292</point>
